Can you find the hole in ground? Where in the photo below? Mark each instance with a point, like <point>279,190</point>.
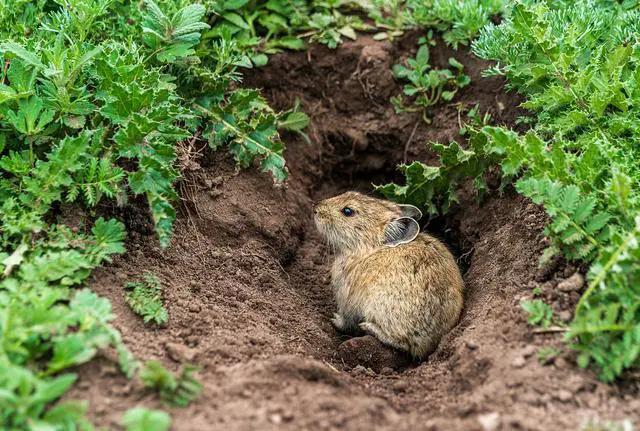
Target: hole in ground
<point>352,170</point>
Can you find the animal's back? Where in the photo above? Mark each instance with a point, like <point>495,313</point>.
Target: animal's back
<point>413,291</point>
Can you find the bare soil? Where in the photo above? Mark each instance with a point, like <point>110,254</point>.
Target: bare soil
<point>247,280</point>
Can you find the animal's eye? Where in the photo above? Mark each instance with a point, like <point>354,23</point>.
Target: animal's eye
<point>348,211</point>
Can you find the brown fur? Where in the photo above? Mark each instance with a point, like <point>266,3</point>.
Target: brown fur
<point>409,295</point>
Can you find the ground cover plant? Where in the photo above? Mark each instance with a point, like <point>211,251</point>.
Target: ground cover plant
<point>91,108</point>
<point>145,299</point>
<point>98,97</point>
<point>577,65</point>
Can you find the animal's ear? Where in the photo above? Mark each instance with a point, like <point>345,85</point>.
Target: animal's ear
<point>410,211</point>
<point>401,231</point>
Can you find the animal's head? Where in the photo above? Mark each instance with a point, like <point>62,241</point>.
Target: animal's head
<point>352,221</point>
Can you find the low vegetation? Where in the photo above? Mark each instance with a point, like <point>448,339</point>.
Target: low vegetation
<point>174,390</point>
<point>577,65</point>
<point>145,299</point>
<point>427,86</point>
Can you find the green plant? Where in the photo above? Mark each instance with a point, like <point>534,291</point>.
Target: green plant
<point>145,299</point>
<point>141,419</point>
<point>577,65</point>
<point>268,27</point>
<point>547,353</point>
<point>539,313</point>
<point>434,188</point>
<point>600,425</point>
<point>329,25</point>
<point>427,86</point>
<point>28,395</point>
<point>174,390</point>
<point>94,97</point>
<point>458,21</point>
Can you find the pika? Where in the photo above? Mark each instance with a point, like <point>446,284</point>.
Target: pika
<point>391,281</point>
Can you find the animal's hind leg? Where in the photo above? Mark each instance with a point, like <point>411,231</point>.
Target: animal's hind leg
<point>345,322</point>
<point>373,329</point>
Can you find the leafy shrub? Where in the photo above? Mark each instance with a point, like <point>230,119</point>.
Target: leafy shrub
<point>174,390</point>
<point>145,299</point>
<point>94,97</point>
<point>577,65</point>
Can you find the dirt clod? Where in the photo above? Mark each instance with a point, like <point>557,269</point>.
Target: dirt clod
<point>573,283</point>
<point>489,421</point>
<point>564,396</point>
<point>518,362</point>
<point>528,351</point>
<point>180,353</point>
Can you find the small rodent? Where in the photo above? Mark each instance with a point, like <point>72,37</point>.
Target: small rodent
<point>400,285</point>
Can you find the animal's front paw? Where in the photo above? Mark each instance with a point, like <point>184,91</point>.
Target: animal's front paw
<point>338,321</point>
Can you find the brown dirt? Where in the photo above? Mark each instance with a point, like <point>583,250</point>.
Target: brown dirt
<point>246,281</point>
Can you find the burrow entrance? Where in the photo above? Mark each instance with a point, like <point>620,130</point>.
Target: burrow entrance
<point>247,277</point>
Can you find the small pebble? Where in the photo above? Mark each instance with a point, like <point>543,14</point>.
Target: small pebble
<point>565,315</point>
<point>518,362</point>
<point>386,371</point>
<point>180,352</point>
<point>568,271</point>
<point>560,362</point>
<point>194,307</point>
<point>572,284</point>
<point>359,369</point>
<point>489,421</point>
<point>471,345</point>
<point>528,351</point>
<point>275,419</point>
<point>564,396</point>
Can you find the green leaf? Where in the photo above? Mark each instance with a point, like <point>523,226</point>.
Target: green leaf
<point>141,419</point>
<point>539,312</point>
<point>236,20</point>
<point>54,388</point>
<point>14,259</point>
<point>21,52</point>
<point>294,121</point>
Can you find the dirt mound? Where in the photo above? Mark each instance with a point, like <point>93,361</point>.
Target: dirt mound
<point>247,280</point>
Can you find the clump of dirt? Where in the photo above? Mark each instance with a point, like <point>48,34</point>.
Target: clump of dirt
<point>247,280</point>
